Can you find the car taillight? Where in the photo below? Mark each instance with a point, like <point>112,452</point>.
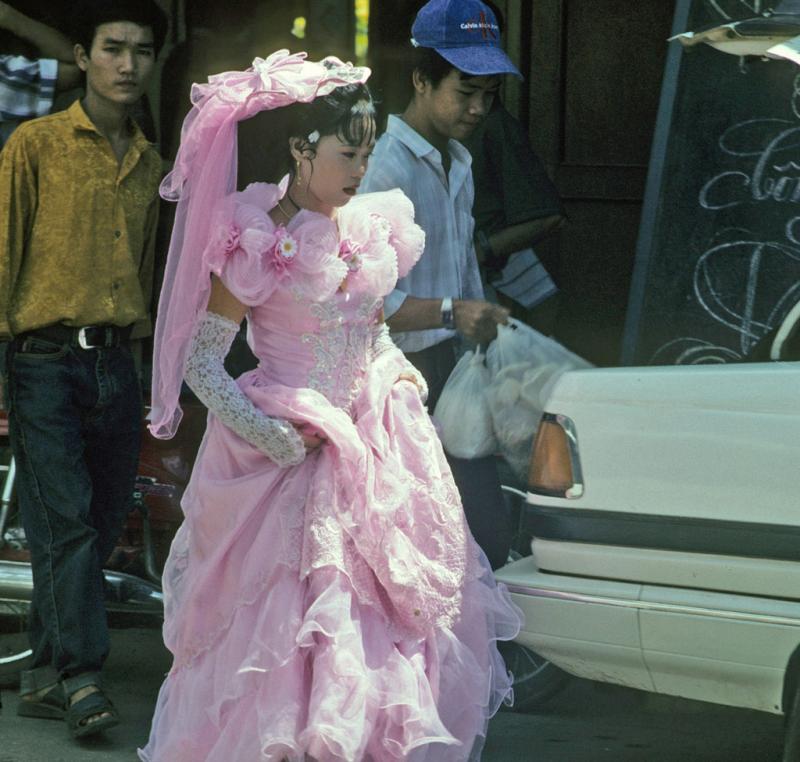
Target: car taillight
<point>555,467</point>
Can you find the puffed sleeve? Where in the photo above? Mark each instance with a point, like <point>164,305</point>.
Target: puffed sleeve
<point>241,237</point>
<point>405,236</point>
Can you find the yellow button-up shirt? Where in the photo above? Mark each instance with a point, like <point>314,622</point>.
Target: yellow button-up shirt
<point>77,227</point>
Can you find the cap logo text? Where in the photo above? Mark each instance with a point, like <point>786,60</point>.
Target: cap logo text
<point>487,28</point>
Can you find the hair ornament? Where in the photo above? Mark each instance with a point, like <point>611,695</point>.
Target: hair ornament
<point>313,137</point>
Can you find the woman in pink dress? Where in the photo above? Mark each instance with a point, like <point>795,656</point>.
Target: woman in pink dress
<point>324,597</point>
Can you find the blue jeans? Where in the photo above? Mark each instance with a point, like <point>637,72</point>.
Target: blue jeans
<point>75,428</point>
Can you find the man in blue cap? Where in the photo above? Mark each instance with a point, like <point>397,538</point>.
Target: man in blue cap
<point>457,68</point>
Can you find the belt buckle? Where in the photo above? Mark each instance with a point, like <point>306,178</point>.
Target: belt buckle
<point>83,342</point>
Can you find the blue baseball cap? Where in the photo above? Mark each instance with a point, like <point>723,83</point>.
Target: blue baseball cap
<point>465,33</point>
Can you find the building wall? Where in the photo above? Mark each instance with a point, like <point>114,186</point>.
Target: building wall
<point>592,94</point>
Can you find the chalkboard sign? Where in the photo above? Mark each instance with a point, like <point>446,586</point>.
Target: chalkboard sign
<point>718,255</point>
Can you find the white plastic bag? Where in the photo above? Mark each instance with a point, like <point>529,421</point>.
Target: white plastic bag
<point>519,343</point>
<point>524,365</point>
<point>514,421</point>
<point>462,411</point>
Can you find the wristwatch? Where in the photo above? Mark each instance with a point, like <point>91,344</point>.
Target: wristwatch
<point>448,317</point>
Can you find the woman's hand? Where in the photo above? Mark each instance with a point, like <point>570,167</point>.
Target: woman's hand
<point>312,439</point>
<point>412,377</point>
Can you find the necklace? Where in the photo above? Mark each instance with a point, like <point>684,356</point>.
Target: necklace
<point>292,202</point>
<point>284,212</point>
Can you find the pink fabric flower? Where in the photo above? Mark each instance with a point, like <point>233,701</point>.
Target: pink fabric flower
<point>230,239</point>
<point>350,253</point>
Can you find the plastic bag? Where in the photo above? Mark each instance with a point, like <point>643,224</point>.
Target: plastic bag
<point>524,365</point>
<point>462,411</point>
<point>519,343</point>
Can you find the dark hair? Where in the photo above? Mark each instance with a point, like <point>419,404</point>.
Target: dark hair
<point>90,14</point>
<point>430,65</point>
<point>263,140</point>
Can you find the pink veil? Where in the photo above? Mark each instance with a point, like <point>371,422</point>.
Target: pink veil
<point>203,174</point>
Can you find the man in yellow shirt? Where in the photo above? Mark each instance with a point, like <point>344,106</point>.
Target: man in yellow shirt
<point>78,209</point>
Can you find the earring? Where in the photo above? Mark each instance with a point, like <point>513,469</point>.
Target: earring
<point>297,173</point>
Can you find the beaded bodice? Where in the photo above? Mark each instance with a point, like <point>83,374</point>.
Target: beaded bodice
<point>324,346</point>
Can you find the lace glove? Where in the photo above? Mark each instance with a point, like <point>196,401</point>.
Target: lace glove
<point>208,379</point>
<point>382,343</point>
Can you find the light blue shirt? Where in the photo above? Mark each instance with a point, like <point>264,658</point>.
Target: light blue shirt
<point>442,208</point>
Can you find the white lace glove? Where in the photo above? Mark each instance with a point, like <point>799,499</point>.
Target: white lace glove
<point>382,342</point>
<point>208,379</point>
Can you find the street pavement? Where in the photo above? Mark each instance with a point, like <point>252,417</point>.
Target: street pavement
<point>586,722</point>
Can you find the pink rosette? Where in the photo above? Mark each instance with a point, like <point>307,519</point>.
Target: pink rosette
<point>224,236</point>
<point>372,265</point>
<point>350,253</point>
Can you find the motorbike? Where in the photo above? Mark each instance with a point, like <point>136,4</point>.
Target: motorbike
<point>133,571</point>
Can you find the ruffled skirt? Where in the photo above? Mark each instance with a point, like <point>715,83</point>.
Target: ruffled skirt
<point>337,611</point>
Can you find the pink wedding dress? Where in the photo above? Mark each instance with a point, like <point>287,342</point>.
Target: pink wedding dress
<point>338,610</point>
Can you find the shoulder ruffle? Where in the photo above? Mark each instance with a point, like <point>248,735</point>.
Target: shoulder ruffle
<point>253,257</point>
<point>376,242</point>
<point>379,240</point>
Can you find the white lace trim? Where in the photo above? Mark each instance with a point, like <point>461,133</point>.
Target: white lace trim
<point>208,379</point>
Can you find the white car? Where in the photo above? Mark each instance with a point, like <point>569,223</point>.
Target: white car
<point>664,504</point>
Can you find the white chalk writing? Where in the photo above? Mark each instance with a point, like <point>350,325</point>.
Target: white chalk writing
<point>773,176</point>
<point>730,282</point>
<point>734,9</point>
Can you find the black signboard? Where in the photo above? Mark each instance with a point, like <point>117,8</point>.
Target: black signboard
<point>718,256</point>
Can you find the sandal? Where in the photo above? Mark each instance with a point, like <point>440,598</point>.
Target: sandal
<point>79,713</point>
<point>50,706</point>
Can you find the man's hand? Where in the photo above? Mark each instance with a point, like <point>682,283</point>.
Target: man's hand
<point>478,320</point>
